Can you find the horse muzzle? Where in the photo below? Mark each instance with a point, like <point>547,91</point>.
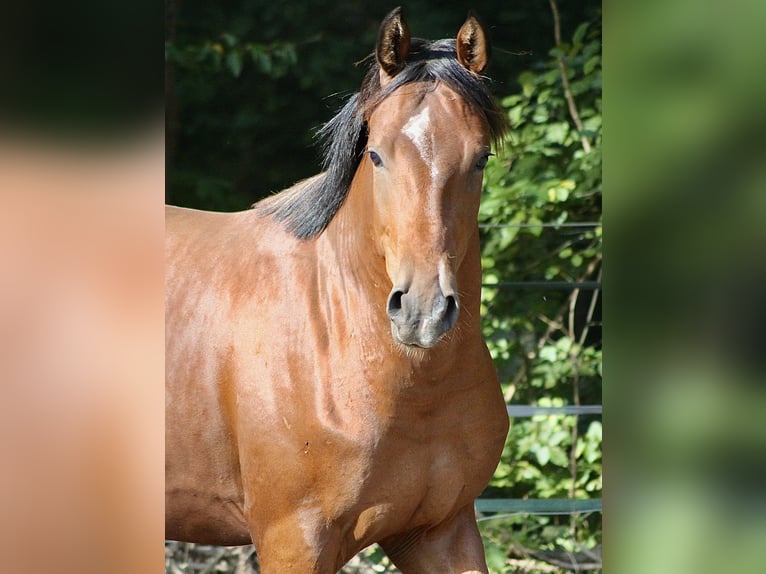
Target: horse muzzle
<point>421,320</point>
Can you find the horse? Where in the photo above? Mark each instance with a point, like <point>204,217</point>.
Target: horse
<point>327,384</point>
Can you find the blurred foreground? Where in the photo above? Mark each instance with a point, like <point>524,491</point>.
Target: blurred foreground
<point>81,362</point>
<point>685,342</point>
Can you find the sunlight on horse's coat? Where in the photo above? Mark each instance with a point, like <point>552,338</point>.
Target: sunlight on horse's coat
<point>311,517</point>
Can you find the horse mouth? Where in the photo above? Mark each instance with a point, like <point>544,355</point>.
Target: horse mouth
<point>415,337</point>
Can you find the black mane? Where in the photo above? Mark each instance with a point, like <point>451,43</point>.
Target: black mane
<point>309,208</point>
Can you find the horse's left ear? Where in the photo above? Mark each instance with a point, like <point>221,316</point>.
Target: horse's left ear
<point>472,44</point>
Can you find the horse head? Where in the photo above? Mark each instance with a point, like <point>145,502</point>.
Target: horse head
<point>428,147</point>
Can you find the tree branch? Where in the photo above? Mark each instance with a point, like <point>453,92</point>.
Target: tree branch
<point>577,561</point>
<point>565,81</point>
<point>591,309</point>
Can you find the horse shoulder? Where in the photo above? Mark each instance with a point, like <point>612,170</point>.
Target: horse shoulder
<point>203,484</point>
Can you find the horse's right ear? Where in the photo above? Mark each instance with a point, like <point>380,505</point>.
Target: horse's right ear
<point>472,44</point>
<point>393,43</point>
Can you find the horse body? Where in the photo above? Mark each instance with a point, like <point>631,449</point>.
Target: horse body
<point>331,392</point>
<point>385,440</point>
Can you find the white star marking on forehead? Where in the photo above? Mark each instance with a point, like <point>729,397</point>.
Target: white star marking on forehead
<point>418,129</point>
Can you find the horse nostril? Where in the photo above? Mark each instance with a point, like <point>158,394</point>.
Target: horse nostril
<point>394,303</point>
<point>450,315</point>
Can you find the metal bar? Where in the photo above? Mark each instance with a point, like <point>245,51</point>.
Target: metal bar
<point>559,285</point>
<point>533,410</point>
<point>523,225</point>
<point>538,505</point>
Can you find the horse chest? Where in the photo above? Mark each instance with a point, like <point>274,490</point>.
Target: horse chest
<point>408,485</point>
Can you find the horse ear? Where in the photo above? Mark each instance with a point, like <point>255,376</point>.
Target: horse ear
<point>393,43</point>
<point>472,44</point>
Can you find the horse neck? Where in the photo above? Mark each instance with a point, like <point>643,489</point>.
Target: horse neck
<point>350,242</point>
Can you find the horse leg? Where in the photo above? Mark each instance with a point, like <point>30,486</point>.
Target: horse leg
<point>453,547</point>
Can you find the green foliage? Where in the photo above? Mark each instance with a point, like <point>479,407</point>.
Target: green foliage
<point>231,55</point>
<point>545,343</point>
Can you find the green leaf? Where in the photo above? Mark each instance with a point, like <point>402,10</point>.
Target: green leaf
<point>536,231</point>
<point>229,39</point>
<point>234,63</point>
<point>590,64</point>
<point>527,81</point>
<point>261,58</point>
<point>543,455</point>
<point>559,458</point>
<point>557,132</point>
<point>495,555</point>
<point>540,115</point>
<point>580,33</point>
<point>509,101</point>
<point>548,353</point>
<point>595,431</point>
<point>514,115</point>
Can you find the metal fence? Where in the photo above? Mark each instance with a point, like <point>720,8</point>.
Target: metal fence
<point>508,506</point>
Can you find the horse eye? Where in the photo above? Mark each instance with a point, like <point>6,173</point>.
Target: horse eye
<point>375,158</point>
<point>482,162</point>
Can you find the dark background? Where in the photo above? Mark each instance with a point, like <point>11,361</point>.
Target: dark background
<point>249,81</point>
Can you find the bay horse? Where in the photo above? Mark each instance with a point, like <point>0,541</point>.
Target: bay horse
<point>327,385</point>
